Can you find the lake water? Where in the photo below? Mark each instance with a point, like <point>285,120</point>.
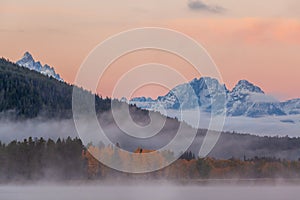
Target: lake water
<point>141,192</point>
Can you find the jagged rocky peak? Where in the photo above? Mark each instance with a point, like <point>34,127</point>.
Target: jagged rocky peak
<point>28,61</point>
<point>207,83</point>
<point>204,81</point>
<point>27,55</point>
<point>245,86</point>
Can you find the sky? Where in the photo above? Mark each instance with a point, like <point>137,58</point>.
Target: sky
<point>254,40</point>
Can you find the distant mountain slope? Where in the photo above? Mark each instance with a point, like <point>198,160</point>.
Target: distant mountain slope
<point>291,107</point>
<point>28,62</point>
<point>245,99</point>
<point>27,93</point>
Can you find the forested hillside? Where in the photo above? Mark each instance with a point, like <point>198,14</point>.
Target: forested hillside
<point>27,94</point>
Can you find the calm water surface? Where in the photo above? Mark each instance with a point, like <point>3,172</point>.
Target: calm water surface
<point>140,192</point>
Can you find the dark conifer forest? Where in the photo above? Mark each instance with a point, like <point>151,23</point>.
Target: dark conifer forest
<point>27,94</point>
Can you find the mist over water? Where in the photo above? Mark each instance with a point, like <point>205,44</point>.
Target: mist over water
<point>227,147</point>
<point>149,192</point>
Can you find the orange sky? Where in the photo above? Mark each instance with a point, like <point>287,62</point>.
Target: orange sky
<point>253,40</point>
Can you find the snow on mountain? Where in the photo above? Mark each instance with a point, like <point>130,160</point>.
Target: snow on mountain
<point>143,102</point>
<point>291,107</point>
<point>28,62</point>
<point>245,99</point>
<point>201,92</point>
<point>244,87</point>
<point>249,100</point>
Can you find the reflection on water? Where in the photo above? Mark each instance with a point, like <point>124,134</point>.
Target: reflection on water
<point>149,192</point>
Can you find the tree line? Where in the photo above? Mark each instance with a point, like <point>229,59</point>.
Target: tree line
<point>37,158</point>
<point>188,166</point>
<point>68,159</point>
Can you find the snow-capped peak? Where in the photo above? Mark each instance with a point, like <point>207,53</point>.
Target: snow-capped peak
<point>28,61</point>
<point>245,99</point>
<point>28,56</point>
<point>244,86</point>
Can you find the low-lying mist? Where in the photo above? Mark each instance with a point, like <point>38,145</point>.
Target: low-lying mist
<point>38,127</point>
<point>229,144</point>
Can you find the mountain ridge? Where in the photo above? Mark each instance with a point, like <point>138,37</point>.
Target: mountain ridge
<point>245,99</point>
<point>28,61</point>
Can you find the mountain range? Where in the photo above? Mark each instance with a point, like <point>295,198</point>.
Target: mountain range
<point>28,62</point>
<point>32,104</point>
<point>245,99</point>
<point>29,91</point>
